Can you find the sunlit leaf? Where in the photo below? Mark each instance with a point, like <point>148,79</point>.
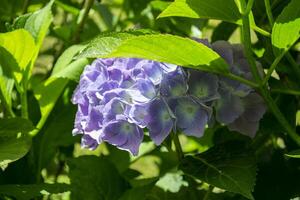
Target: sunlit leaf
<point>159,47</point>
<point>213,9</point>
<point>286,30</point>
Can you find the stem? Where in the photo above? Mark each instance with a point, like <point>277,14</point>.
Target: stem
<point>263,90</point>
<point>269,12</point>
<point>82,19</point>
<point>210,188</point>
<point>177,146</point>
<point>286,91</point>
<point>280,117</point>
<point>241,79</point>
<point>293,64</point>
<point>249,7</point>
<point>272,68</point>
<point>247,47</point>
<point>6,106</point>
<point>24,105</point>
<point>288,56</point>
<point>261,31</point>
<point>25,6</point>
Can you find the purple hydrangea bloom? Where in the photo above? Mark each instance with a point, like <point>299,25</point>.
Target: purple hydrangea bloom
<point>117,98</point>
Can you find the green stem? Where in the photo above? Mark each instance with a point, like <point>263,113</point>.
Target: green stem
<point>24,104</point>
<point>272,68</point>
<point>82,19</point>
<point>262,89</point>
<point>249,7</point>
<point>288,56</point>
<point>261,31</point>
<point>293,63</point>
<point>280,117</point>
<point>178,146</point>
<point>241,79</point>
<point>286,91</point>
<point>209,191</point>
<point>269,12</point>
<point>6,106</point>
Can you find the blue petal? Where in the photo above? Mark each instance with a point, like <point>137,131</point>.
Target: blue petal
<point>248,122</point>
<point>142,91</point>
<point>160,122</point>
<point>124,135</point>
<point>204,86</point>
<point>228,108</point>
<point>224,49</point>
<point>191,117</point>
<point>174,84</point>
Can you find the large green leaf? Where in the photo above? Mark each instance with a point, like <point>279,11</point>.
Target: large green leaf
<point>159,47</point>
<point>227,166</point>
<point>65,69</point>
<point>95,178</point>
<point>27,192</point>
<point>14,141</point>
<point>20,44</point>
<point>38,22</point>
<point>286,30</point>
<point>58,133</point>
<point>212,9</point>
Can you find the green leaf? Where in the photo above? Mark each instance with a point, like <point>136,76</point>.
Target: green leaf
<point>14,141</point>
<point>27,192</point>
<point>137,193</point>
<point>95,178</point>
<point>64,70</point>
<point>159,47</point>
<point>294,154</point>
<point>212,9</point>
<point>57,133</point>
<point>6,88</point>
<point>286,30</point>
<point>21,46</point>
<point>227,166</point>
<point>38,23</point>
<point>47,94</point>
<point>66,67</point>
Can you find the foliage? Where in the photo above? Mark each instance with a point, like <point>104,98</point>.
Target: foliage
<point>245,146</point>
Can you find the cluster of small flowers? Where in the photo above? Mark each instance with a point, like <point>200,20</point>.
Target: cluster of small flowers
<point>117,98</point>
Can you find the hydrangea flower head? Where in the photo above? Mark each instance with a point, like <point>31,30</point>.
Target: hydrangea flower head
<point>118,98</point>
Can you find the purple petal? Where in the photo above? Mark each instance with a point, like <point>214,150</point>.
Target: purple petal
<point>224,49</point>
<point>160,121</point>
<point>228,108</point>
<point>174,84</point>
<point>204,86</point>
<point>191,117</point>
<point>124,135</point>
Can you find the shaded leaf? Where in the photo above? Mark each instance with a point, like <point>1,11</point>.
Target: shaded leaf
<point>95,178</point>
<point>27,192</point>
<point>228,166</point>
<point>14,141</point>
